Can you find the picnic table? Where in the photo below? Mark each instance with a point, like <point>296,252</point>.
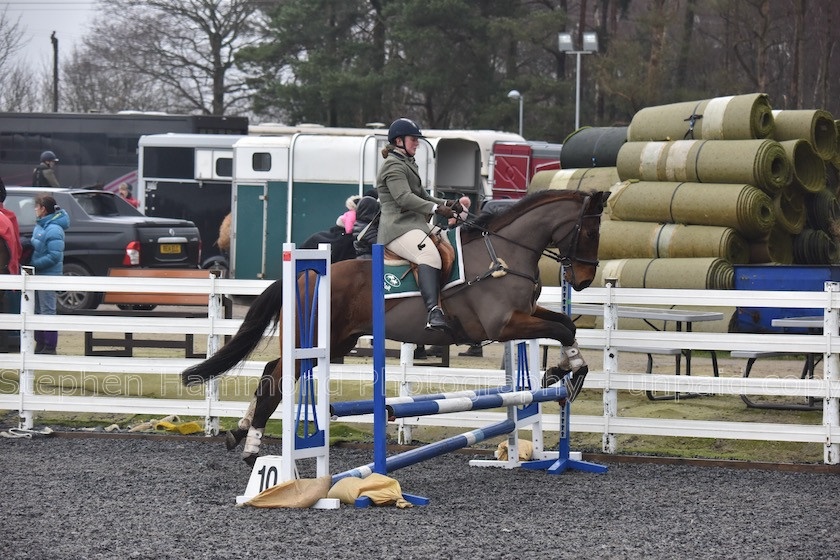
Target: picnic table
<point>680,318</point>
<point>814,324</point>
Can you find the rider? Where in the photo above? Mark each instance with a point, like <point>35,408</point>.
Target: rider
<point>406,209</point>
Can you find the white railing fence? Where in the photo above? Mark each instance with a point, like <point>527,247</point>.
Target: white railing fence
<point>28,399</point>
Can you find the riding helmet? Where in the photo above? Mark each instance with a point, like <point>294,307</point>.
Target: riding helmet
<point>48,156</point>
<point>403,127</point>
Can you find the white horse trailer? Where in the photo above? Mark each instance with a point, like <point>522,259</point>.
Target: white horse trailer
<point>485,139</point>
<point>288,187</point>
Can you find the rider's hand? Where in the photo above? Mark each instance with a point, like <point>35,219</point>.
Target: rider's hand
<point>455,205</point>
<point>445,211</point>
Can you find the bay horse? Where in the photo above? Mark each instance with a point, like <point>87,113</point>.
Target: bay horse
<point>495,303</point>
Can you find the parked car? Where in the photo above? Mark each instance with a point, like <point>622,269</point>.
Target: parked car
<point>107,232</point>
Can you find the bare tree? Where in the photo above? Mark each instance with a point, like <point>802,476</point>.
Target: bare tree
<point>184,49</point>
<point>16,88</point>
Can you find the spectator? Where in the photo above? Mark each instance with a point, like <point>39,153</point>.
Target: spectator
<point>10,233</point>
<point>125,192</point>
<point>366,226</point>
<point>48,259</point>
<point>44,174</point>
<point>348,219</point>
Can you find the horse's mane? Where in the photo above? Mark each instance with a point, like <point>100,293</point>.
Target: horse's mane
<point>500,217</point>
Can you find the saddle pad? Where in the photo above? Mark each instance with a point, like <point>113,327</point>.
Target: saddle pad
<point>400,282</point>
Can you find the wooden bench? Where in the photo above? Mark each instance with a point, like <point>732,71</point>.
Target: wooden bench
<point>811,361</point>
<point>141,304</point>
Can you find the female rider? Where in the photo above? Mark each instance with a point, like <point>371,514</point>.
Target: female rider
<point>406,209</point>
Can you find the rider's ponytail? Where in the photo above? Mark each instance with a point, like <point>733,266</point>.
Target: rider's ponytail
<point>387,150</point>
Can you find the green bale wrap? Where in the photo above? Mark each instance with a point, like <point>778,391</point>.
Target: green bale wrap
<point>674,273</point>
<point>735,117</point>
<point>762,163</point>
<point>742,207</point>
<point>591,179</point>
<point>808,167</point>
<point>814,125</point>
<point>622,240</point>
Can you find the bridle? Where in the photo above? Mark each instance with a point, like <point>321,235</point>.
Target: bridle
<point>566,257</point>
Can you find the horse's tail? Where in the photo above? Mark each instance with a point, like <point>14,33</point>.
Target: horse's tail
<point>264,310</point>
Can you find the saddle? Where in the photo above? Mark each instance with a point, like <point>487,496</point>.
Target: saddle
<point>447,259</point>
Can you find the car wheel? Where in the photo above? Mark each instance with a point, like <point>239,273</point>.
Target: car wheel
<point>68,302</point>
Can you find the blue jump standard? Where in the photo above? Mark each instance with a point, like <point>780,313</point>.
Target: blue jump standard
<point>354,408</point>
<point>563,462</point>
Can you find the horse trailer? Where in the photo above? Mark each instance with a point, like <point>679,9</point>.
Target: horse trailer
<point>281,188</point>
<point>287,188</point>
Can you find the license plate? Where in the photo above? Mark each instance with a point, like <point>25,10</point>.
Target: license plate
<point>170,249</point>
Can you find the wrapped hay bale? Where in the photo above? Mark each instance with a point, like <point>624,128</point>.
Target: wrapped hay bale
<point>789,206</point>
<point>775,247</point>
<point>734,117</point>
<point>808,167</point>
<point>673,273</point>
<point>591,179</point>
<point>620,240</point>
<point>762,163</point>
<point>741,207</point>
<point>814,125</point>
<point>592,147</point>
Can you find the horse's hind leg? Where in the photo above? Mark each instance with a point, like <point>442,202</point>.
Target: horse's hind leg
<point>268,395</point>
<point>235,436</point>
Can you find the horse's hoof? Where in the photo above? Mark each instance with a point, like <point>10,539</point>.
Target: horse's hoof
<point>250,459</point>
<point>553,375</point>
<point>574,383</point>
<point>232,440</point>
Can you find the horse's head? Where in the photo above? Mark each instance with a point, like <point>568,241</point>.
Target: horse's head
<point>580,247</point>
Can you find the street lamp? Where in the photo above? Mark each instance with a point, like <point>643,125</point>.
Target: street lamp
<point>514,94</point>
<point>590,45</point>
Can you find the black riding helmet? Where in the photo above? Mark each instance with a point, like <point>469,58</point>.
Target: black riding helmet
<point>403,127</point>
<point>48,156</point>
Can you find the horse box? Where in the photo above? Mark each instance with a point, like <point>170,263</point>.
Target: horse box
<point>793,278</point>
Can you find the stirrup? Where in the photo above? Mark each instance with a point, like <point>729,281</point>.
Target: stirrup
<point>436,321</point>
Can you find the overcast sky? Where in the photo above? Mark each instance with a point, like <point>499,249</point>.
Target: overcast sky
<point>39,18</point>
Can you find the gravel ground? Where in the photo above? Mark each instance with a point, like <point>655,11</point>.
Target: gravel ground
<point>157,498</point>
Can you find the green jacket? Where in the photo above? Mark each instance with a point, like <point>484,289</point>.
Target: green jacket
<point>405,203</point>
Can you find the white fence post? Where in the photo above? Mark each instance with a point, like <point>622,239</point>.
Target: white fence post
<point>831,372</point>
<point>609,441</point>
<point>27,348</point>
<point>406,389</point>
<point>215,310</point>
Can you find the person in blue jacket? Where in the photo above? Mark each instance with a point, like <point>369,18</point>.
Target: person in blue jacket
<point>48,259</point>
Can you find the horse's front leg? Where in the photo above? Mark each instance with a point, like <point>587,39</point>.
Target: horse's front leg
<point>544,323</point>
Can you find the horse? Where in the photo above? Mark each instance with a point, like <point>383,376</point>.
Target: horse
<point>496,303</point>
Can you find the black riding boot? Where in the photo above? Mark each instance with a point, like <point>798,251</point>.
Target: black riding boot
<point>430,290</point>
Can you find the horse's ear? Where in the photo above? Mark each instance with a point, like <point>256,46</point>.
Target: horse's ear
<point>601,197</point>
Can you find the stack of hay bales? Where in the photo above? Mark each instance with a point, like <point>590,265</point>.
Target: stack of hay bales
<point>707,184</point>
